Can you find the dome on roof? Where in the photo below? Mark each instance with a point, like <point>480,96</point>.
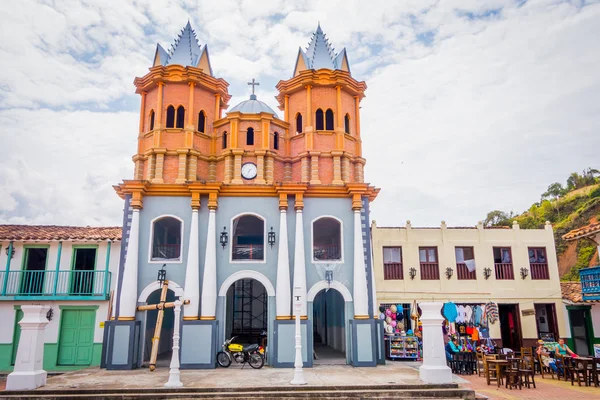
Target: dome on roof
<point>253,106</point>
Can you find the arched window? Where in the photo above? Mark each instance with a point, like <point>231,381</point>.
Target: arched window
<point>224,140</point>
<point>180,117</point>
<point>276,141</point>
<point>250,136</point>
<point>329,120</point>
<point>248,241</point>
<point>299,123</point>
<point>170,117</point>
<point>319,119</point>
<point>327,239</point>
<point>166,239</point>
<point>151,120</point>
<point>201,121</point>
<point>347,124</point>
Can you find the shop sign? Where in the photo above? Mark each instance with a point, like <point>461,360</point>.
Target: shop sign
<point>530,311</point>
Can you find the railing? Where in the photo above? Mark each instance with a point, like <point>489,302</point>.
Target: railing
<point>166,251</point>
<point>392,271</point>
<point>248,252</point>
<point>504,271</point>
<point>539,271</point>
<point>327,252</point>
<point>590,283</point>
<point>463,273</point>
<point>430,271</point>
<point>49,284</point>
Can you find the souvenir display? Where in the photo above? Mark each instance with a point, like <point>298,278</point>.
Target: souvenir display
<point>402,341</point>
<point>469,322</point>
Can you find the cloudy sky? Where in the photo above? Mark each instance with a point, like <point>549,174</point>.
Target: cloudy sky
<point>471,105</point>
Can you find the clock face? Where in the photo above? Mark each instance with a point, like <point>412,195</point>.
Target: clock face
<point>249,171</point>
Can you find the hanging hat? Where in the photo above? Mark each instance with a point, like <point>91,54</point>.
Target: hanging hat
<point>388,312</point>
<point>393,324</point>
<point>389,329</point>
<point>393,316</point>
<point>400,325</point>
<point>409,332</point>
<point>381,309</point>
<point>382,316</point>
<point>399,308</point>
<point>393,309</point>
<point>399,316</point>
<point>388,319</point>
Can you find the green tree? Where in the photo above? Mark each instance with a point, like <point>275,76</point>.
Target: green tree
<point>498,218</point>
<point>554,191</point>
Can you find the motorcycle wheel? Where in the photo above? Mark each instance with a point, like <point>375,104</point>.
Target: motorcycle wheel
<point>223,359</point>
<point>256,360</point>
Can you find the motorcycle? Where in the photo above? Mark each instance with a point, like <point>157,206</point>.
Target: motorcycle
<point>252,354</point>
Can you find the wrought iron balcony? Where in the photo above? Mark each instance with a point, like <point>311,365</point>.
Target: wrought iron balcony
<point>251,252</point>
<point>55,285</point>
<point>590,283</point>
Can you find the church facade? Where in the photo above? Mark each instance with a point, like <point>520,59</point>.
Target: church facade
<point>246,211</point>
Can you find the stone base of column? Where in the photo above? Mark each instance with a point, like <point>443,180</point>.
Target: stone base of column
<point>434,368</point>
<point>26,380</point>
<point>435,374</point>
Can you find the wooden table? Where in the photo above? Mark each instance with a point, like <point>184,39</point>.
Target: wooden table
<point>499,364</point>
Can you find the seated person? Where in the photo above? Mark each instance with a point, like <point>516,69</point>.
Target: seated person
<point>562,349</point>
<point>451,348</point>
<point>545,356</point>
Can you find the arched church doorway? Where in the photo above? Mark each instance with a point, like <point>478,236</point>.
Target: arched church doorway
<point>247,312</point>
<point>329,328</point>
<point>165,345</point>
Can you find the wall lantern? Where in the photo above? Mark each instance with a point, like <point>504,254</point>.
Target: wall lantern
<point>524,273</point>
<point>449,272</point>
<point>271,238</point>
<point>162,275</point>
<point>412,273</point>
<point>224,238</point>
<point>10,251</point>
<point>50,314</point>
<point>487,272</point>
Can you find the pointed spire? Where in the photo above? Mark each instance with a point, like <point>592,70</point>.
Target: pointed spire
<point>320,54</point>
<point>185,51</point>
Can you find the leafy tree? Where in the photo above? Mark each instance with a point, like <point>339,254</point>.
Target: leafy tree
<point>555,191</point>
<point>498,218</point>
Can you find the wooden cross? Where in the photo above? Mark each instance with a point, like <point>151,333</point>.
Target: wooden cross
<point>162,304</point>
<point>253,83</point>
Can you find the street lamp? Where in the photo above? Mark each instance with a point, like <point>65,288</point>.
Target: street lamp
<point>298,372</point>
<point>224,238</point>
<point>271,238</point>
<point>487,272</point>
<point>162,275</point>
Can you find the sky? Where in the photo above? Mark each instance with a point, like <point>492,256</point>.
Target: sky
<point>471,105</point>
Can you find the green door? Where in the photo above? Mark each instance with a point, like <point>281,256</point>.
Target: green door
<point>16,335</point>
<point>76,338</point>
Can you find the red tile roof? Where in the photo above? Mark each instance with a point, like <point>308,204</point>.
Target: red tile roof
<point>571,291</point>
<point>584,231</point>
<point>54,232</point>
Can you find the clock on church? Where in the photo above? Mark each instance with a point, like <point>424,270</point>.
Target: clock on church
<point>249,170</point>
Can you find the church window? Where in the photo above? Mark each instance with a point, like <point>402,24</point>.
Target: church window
<point>276,141</point>
<point>299,123</point>
<point>347,124</point>
<point>224,140</point>
<point>180,117</point>
<point>170,117</point>
<point>201,121</point>
<point>250,136</point>
<point>248,238</point>
<point>166,239</point>
<point>329,120</point>
<point>151,120</point>
<point>327,239</point>
<point>319,119</point>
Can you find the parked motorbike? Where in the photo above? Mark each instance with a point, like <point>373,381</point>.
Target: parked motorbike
<point>252,354</point>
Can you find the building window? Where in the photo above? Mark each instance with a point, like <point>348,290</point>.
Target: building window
<point>276,141</point>
<point>428,258</point>
<point>248,238</point>
<point>319,123</point>
<point>180,117</point>
<point>32,281</point>
<point>250,136</point>
<point>166,239</point>
<point>151,120</point>
<point>83,278</point>
<point>329,120</point>
<point>538,263</point>
<point>503,263</point>
<point>347,124</point>
<point>170,117</point>
<point>299,123</point>
<point>327,239</point>
<point>201,121</point>
<point>224,140</point>
<point>392,263</point>
<point>465,263</point>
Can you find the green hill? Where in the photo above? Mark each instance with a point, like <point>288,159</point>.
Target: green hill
<point>567,207</point>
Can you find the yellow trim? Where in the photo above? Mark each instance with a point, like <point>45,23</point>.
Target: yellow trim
<point>361,317</point>
<point>126,319</point>
<point>287,317</point>
<point>303,317</point>
<point>190,318</point>
<point>207,318</point>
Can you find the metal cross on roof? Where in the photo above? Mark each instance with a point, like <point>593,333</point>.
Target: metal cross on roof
<point>253,83</point>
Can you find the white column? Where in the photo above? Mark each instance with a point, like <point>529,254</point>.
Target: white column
<point>128,299</point>
<point>192,272</point>
<point>298,378</point>
<point>209,281</point>
<point>28,373</point>
<point>434,368</point>
<point>300,264</point>
<point>283,299</point>
<point>174,374</point>
<point>361,297</point>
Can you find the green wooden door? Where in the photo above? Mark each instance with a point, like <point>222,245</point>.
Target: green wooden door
<point>76,337</point>
<point>16,335</point>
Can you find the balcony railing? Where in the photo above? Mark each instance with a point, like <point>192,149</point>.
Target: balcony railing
<point>47,285</point>
<point>324,252</point>
<point>504,271</point>
<point>463,273</point>
<point>430,271</point>
<point>253,252</point>
<point>539,271</point>
<point>166,251</point>
<point>590,283</point>
<point>392,271</point>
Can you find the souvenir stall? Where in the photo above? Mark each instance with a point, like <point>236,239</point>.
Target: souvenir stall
<point>402,331</point>
<point>470,322</point>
